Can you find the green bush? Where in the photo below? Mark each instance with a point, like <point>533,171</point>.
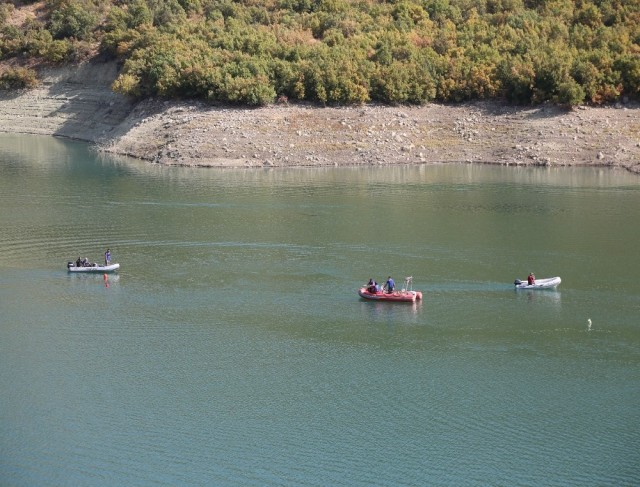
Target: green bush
<point>517,77</point>
<point>18,78</point>
<point>398,84</point>
<point>629,68</point>
<point>6,9</point>
<point>73,19</point>
<point>569,93</point>
<point>254,90</point>
<point>60,51</point>
<point>127,84</point>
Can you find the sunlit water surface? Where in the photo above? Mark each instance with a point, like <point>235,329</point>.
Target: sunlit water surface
<point>232,349</point>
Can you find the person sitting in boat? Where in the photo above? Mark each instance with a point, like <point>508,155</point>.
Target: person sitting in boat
<point>372,286</point>
<point>78,262</point>
<point>531,279</point>
<point>390,285</point>
<point>85,262</point>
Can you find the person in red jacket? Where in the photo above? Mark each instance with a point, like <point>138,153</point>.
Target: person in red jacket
<point>531,279</point>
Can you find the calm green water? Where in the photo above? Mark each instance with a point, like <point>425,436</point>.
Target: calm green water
<point>232,349</point>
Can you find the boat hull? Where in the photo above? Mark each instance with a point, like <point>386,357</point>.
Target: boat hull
<point>94,268</point>
<point>394,297</point>
<point>549,283</point>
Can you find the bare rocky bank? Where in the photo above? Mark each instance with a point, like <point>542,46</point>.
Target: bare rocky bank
<point>78,103</point>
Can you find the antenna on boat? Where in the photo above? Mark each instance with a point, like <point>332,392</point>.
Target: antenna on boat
<point>408,283</point>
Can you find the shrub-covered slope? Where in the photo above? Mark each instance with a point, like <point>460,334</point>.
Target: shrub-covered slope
<point>338,51</point>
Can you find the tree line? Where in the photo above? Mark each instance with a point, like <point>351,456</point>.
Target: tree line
<point>253,52</point>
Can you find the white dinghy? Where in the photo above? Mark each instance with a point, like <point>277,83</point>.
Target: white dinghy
<point>548,283</point>
<point>72,267</point>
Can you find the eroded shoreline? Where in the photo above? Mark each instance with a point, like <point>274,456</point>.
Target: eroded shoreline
<point>78,103</point>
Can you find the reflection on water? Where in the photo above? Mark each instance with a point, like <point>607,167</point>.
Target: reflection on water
<point>544,296</point>
<point>379,310</point>
<point>232,348</point>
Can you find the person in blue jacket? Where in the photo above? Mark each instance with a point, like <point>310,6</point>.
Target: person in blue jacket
<point>390,285</point>
<point>107,257</point>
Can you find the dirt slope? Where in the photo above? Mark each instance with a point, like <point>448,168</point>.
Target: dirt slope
<point>78,103</point>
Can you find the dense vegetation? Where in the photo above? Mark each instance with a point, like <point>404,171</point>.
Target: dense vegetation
<point>343,51</point>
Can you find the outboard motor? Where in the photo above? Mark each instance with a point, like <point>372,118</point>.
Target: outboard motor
<point>517,282</point>
<point>70,264</point>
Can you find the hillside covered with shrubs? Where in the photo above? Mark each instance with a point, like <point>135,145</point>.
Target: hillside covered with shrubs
<point>254,52</point>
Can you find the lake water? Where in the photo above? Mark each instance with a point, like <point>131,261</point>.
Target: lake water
<point>231,349</point>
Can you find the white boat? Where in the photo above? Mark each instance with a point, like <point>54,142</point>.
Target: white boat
<point>548,283</point>
<point>72,267</point>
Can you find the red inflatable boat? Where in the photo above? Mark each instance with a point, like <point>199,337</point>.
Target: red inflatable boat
<point>405,295</point>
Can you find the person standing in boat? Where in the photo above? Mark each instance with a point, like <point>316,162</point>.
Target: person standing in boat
<point>107,257</point>
<point>390,285</point>
<point>531,279</point>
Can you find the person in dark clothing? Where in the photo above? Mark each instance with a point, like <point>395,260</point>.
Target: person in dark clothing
<point>371,286</point>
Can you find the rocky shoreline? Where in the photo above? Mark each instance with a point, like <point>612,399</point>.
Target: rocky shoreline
<point>78,103</point>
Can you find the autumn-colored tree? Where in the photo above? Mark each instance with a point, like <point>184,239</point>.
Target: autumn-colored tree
<point>343,51</point>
